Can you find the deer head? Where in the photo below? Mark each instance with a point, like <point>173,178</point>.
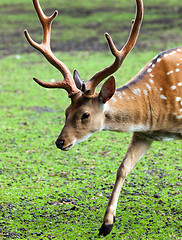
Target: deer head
<point>86,114</point>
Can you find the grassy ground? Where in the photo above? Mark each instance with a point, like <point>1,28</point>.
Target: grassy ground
<point>49,194</point>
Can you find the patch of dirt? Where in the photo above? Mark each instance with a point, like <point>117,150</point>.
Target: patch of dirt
<point>82,12</point>
<point>14,42</point>
<point>39,109</point>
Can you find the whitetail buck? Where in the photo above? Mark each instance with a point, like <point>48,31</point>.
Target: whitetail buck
<point>149,105</point>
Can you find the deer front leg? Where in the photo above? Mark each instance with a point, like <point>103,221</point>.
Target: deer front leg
<point>137,147</point>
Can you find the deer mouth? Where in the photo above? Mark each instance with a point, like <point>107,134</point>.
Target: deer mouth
<point>67,148</point>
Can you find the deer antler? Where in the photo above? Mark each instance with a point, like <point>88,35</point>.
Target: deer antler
<point>119,55</point>
<point>68,83</point>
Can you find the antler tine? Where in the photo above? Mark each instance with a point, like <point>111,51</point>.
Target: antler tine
<point>119,55</point>
<point>45,48</point>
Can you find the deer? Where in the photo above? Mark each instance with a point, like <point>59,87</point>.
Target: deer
<point>149,105</point>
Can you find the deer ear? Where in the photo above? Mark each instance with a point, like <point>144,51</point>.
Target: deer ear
<point>107,89</point>
<point>77,79</point>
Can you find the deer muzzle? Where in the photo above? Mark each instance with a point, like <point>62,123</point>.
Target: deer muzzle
<point>60,143</point>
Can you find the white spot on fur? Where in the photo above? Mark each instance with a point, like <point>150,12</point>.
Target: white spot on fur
<point>136,91</point>
<point>173,87</point>
<point>173,52</point>
<point>145,92</point>
<point>179,50</point>
<point>148,86</point>
<point>150,80</point>
<point>161,89</point>
<point>178,99</point>
<point>151,75</point>
<point>159,59</point>
<point>181,103</point>
<point>119,95</point>
<point>153,65</point>
<point>163,97</point>
<point>165,55</point>
<point>177,70</point>
<point>170,72</point>
<point>177,64</point>
<point>149,70</point>
<point>179,117</point>
<point>179,84</point>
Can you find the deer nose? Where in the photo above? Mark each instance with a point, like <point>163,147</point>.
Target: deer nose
<point>59,143</point>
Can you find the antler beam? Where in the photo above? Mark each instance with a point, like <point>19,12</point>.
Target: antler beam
<point>68,83</point>
<point>119,55</point>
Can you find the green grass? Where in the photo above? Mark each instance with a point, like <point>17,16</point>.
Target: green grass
<point>49,194</point>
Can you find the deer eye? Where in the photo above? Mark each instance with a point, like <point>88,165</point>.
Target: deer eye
<point>85,116</point>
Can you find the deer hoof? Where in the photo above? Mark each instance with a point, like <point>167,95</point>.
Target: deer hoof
<point>105,229</point>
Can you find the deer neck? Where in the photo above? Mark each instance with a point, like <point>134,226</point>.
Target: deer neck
<point>127,111</point>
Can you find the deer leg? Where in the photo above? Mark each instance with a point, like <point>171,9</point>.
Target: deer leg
<point>137,147</point>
